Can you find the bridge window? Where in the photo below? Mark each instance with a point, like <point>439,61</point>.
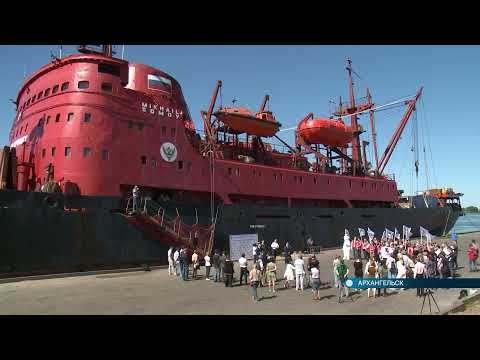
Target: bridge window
<point>173,132</point>
<point>68,151</point>
<point>40,94</point>
<point>229,171</point>
<point>65,86</point>
<point>47,92</point>
<point>44,152</point>
<point>69,117</point>
<point>33,98</point>
<point>26,126</point>
<point>86,152</point>
<point>57,118</point>
<point>87,117</point>
<point>350,183</point>
<point>48,119</point>
<point>180,165</point>
<point>55,89</point>
<point>104,154</point>
<point>164,130</point>
<point>153,162</point>
<point>53,151</point>
<point>107,87</point>
<point>109,69</point>
<point>143,160</point>
<point>28,102</point>
<point>84,84</point>
<point>301,179</point>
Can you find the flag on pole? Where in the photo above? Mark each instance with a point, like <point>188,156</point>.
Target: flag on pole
<point>388,234</point>
<point>361,232</point>
<point>407,232</point>
<point>370,233</point>
<point>397,234</point>
<point>423,232</point>
<point>429,237</point>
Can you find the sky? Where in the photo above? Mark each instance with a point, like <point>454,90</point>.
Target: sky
<point>302,79</point>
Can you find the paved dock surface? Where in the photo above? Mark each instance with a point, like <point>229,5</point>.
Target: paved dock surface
<point>156,292</point>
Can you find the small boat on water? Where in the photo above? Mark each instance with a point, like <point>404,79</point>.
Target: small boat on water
<point>242,120</point>
<point>324,131</point>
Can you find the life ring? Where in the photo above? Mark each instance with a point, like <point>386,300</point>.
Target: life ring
<point>51,202</point>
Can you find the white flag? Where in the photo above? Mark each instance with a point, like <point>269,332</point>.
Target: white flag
<point>397,234</point>
<point>370,233</point>
<point>407,232</point>
<point>361,232</point>
<point>389,234</point>
<point>423,231</point>
<point>384,235</point>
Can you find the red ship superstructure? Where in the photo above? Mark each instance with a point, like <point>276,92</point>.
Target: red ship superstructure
<point>103,125</point>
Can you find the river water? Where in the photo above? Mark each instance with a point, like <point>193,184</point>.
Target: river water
<point>467,223</point>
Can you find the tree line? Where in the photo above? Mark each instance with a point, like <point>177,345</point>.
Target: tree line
<point>471,209</point>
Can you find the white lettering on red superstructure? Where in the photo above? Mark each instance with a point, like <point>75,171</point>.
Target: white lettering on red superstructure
<point>155,109</point>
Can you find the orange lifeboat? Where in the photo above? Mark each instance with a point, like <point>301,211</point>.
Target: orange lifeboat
<point>262,123</point>
<point>332,133</point>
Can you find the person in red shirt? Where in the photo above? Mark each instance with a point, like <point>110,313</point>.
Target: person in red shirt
<point>472,256</point>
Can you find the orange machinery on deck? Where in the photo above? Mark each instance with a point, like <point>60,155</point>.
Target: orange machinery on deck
<point>242,120</point>
<point>333,133</point>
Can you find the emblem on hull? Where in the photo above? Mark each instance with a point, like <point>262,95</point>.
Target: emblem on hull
<point>168,151</point>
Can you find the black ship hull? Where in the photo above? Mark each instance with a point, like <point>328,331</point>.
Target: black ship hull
<point>38,236</point>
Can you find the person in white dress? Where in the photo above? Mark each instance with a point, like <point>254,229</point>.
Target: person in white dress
<point>346,247</point>
<point>299,272</point>
<point>401,270</point>
<point>176,255</point>
<point>289,274</point>
<point>171,264</point>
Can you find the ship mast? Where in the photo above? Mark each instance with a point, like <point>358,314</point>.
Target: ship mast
<point>356,154</point>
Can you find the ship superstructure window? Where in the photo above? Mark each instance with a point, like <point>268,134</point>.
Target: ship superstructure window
<point>65,86</point>
<point>57,118</point>
<point>229,171</point>
<point>143,160</point>
<point>350,183</point>
<point>28,102</point>
<point>140,126</point>
<point>180,165</point>
<point>105,155</point>
<point>109,69</point>
<point>53,151</point>
<point>315,180</point>
<point>26,126</point>
<point>33,98</point>
<point>40,94</point>
<point>84,84</point>
<point>86,152</point>
<point>173,132</point>
<point>164,130</point>
<point>87,117</point>
<point>55,89</point>
<point>70,117</point>
<point>107,87</point>
<point>68,151</point>
<point>153,162</point>
<point>44,152</point>
<point>47,92</point>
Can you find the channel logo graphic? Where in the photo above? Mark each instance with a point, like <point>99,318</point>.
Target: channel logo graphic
<point>357,283</point>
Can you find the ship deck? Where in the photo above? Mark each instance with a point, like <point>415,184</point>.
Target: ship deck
<point>156,292</point>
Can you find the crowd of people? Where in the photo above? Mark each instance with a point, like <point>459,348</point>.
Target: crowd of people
<point>371,259</point>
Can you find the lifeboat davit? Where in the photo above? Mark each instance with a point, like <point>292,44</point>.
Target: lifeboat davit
<point>333,133</point>
<point>242,120</point>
